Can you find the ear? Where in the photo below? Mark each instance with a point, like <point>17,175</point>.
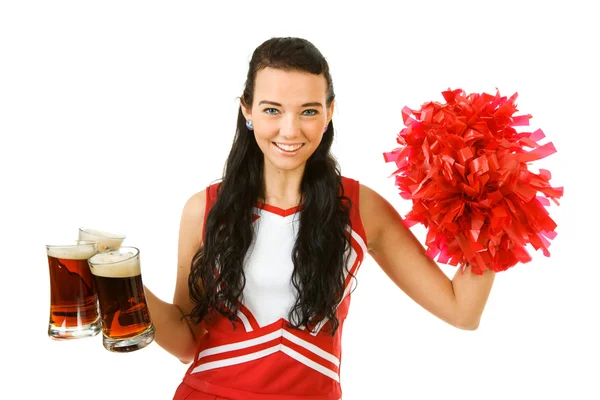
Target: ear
<point>246,111</point>
<point>330,110</point>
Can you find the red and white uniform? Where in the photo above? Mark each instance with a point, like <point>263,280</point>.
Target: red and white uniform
<point>261,358</point>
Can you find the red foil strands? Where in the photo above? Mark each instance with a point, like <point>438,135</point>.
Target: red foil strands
<point>465,168</point>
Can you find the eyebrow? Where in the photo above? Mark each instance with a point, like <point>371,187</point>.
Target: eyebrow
<point>313,104</point>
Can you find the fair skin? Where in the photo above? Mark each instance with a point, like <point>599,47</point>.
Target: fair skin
<point>290,108</point>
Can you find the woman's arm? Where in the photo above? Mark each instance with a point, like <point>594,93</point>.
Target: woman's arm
<point>174,333</point>
<point>459,302</point>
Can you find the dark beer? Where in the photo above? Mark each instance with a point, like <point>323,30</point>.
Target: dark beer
<point>73,301</point>
<point>123,306</point>
<point>126,322</point>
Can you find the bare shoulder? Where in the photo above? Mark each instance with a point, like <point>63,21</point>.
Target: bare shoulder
<point>376,213</point>
<point>190,240</point>
<point>195,206</point>
<point>368,196</point>
<point>192,218</point>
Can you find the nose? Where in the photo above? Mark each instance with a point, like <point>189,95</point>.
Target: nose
<point>290,127</point>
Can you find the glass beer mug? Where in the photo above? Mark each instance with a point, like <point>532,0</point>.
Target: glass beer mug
<point>126,322</point>
<point>104,240</point>
<point>73,301</point>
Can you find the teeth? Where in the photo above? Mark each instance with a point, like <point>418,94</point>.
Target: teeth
<point>288,148</point>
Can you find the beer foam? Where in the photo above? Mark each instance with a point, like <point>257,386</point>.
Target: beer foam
<point>104,240</point>
<point>102,234</point>
<point>72,252</point>
<point>115,264</point>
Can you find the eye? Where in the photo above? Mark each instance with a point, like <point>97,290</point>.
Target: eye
<point>310,112</point>
<point>271,111</point>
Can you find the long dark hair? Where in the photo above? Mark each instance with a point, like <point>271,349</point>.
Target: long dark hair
<point>321,251</point>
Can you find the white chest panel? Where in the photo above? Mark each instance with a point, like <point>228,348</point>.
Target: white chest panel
<point>269,294</point>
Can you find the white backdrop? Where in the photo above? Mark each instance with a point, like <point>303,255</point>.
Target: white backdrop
<point>112,114</point>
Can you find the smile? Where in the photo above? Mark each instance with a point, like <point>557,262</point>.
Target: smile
<point>288,148</point>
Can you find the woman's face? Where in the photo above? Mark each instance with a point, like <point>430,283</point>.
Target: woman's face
<point>289,116</point>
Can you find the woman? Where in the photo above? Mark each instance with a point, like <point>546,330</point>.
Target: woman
<point>268,257</point>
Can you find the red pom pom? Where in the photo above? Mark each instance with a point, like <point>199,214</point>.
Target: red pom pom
<point>464,166</point>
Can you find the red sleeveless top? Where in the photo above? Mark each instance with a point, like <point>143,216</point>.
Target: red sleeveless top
<point>262,358</point>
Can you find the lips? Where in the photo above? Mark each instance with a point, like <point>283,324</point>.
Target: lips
<point>289,148</point>
<point>285,152</point>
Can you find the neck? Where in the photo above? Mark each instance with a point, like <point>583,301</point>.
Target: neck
<point>282,187</point>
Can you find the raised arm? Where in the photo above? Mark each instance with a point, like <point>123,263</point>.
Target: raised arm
<point>459,302</point>
<point>174,333</point>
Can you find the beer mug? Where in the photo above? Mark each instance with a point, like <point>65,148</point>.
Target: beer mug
<point>105,240</point>
<point>126,323</point>
<point>73,301</point>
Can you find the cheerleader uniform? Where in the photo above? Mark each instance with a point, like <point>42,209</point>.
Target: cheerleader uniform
<point>263,359</point>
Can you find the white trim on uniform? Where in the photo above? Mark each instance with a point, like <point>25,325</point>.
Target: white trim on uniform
<point>245,321</point>
<point>310,363</point>
<point>280,333</point>
<point>237,360</point>
<point>240,345</point>
<point>311,347</point>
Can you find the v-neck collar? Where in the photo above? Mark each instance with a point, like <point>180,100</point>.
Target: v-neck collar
<point>279,211</point>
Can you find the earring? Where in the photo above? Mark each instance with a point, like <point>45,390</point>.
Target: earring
<point>249,124</point>
<point>325,129</point>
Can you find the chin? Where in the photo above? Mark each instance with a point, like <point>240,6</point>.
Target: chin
<point>289,165</point>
